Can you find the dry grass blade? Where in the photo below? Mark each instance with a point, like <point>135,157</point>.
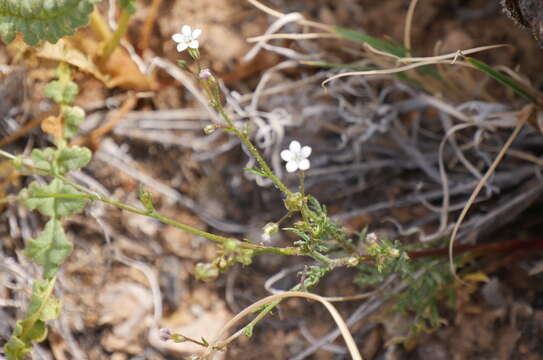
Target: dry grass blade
<point>408,24</point>
<point>351,345</point>
<point>417,62</point>
<point>524,115</point>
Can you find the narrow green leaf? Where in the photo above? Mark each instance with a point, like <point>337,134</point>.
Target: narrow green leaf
<point>39,197</point>
<point>255,171</point>
<point>388,47</point>
<point>72,158</point>
<point>501,78</point>
<point>372,41</point>
<point>325,64</point>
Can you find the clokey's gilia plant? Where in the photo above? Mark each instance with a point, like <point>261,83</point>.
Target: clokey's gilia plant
<point>318,237</point>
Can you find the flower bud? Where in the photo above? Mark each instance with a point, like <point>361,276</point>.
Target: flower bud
<point>270,228</point>
<point>206,271</point>
<point>164,334</point>
<point>394,253</point>
<point>294,202</point>
<point>352,261</point>
<point>205,74</point>
<point>209,129</point>
<point>230,246</point>
<point>371,238</point>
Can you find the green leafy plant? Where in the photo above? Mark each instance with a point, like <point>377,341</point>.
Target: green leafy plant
<point>39,20</point>
<point>51,248</point>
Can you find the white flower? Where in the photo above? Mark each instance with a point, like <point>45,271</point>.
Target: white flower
<point>187,38</point>
<point>296,157</point>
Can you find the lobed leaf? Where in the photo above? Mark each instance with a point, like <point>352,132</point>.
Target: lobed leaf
<point>39,197</point>
<point>38,20</point>
<point>42,307</point>
<point>49,250</point>
<point>62,92</point>
<point>43,158</point>
<point>72,158</point>
<point>73,116</point>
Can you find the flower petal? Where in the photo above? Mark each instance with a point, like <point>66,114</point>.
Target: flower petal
<point>196,33</point>
<point>304,164</point>
<point>306,151</point>
<point>292,166</point>
<point>178,37</point>
<point>181,47</point>
<point>294,146</point>
<point>287,155</point>
<point>194,44</point>
<point>185,30</point>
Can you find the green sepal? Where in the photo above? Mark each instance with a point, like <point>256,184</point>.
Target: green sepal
<point>49,250</point>
<point>72,158</point>
<point>38,197</point>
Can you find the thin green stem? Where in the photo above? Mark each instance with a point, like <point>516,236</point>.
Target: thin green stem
<point>112,42</point>
<point>99,26</point>
<point>214,96</point>
<point>301,177</point>
<point>322,258</point>
<point>254,151</point>
<point>88,195</point>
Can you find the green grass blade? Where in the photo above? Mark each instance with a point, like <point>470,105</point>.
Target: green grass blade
<point>386,46</point>
<point>505,80</point>
<point>379,44</point>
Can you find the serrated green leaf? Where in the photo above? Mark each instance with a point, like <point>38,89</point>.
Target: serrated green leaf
<point>39,197</point>
<point>42,19</point>
<point>72,158</point>
<point>49,250</point>
<point>42,159</point>
<point>73,116</point>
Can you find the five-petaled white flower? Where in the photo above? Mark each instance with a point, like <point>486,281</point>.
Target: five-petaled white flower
<point>187,38</point>
<point>296,157</point>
